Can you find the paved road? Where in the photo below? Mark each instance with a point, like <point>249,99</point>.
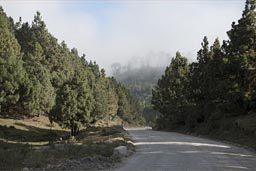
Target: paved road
<point>158,150</point>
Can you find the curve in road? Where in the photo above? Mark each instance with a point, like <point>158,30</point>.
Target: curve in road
<point>157,150</point>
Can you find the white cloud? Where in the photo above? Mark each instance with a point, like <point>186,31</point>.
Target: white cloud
<point>132,28</point>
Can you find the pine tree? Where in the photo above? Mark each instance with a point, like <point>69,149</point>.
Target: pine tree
<point>40,76</point>
<point>216,83</point>
<point>74,103</point>
<point>240,50</point>
<point>12,74</point>
<point>41,95</point>
<point>105,95</point>
<point>168,97</point>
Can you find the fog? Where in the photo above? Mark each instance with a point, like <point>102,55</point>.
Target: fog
<point>130,31</point>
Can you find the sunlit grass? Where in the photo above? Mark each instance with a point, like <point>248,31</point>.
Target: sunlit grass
<point>34,143</point>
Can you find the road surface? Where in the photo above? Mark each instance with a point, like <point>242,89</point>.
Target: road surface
<point>158,150</point>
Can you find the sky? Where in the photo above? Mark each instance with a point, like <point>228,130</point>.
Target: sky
<point>124,31</point>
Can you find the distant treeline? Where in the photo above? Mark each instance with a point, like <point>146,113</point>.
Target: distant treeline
<point>40,76</point>
<point>219,88</point>
<point>140,80</point>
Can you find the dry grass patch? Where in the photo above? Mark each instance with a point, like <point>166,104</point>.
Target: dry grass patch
<point>34,143</point>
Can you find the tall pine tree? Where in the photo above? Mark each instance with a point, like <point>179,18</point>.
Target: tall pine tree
<point>169,94</point>
<point>12,74</point>
<point>241,52</point>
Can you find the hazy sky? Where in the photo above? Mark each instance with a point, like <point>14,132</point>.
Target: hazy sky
<point>117,31</point>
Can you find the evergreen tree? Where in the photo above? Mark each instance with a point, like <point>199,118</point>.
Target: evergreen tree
<point>106,99</point>
<point>74,103</point>
<point>94,67</point>
<point>12,74</point>
<point>216,83</point>
<point>41,95</point>
<point>240,50</point>
<point>40,76</point>
<point>129,109</point>
<point>169,94</point>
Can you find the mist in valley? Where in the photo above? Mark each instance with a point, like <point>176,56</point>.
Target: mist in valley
<point>132,33</point>
<point>74,75</point>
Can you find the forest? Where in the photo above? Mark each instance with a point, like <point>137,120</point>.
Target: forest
<point>61,111</point>
<point>40,76</point>
<point>217,93</point>
<point>140,81</point>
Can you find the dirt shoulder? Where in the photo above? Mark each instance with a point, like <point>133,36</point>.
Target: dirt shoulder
<point>35,145</point>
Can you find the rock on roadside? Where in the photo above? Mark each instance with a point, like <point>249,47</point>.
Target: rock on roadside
<point>120,151</point>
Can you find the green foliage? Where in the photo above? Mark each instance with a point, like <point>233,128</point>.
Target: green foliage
<point>169,96</point>
<point>39,76</point>
<point>140,82</point>
<point>74,103</point>
<point>106,99</point>
<point>12,74</point>
<point>241,51</point>
<point>129,109</point>
<point>41,96</point>
<point>218,86</point>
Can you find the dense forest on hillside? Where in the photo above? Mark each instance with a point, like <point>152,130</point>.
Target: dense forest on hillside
<point>140,81</point>
<point>217,92</point>
<point>39,76</point>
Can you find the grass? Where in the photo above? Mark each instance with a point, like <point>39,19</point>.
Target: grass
<point>238,130</point>
<point>34,143</point>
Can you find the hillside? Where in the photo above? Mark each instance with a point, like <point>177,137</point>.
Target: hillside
<point>40,76</point>
<point>140,81</point>
<point>214,96</point>
<point>58,111</point>
<point>34,143</point>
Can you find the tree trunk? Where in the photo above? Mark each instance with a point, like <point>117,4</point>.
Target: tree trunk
<point>74,130</point>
